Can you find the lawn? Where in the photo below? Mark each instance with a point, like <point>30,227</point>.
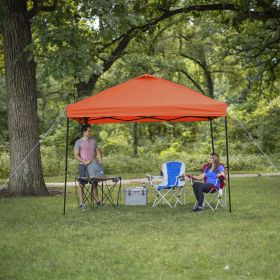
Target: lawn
<point>38,242</point>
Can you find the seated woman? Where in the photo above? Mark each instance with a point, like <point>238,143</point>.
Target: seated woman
<point>209,175</point>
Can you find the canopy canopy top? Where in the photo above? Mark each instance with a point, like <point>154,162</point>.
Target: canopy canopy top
<point>146,99</point>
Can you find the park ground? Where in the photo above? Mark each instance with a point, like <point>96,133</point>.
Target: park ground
<point>39,242</point>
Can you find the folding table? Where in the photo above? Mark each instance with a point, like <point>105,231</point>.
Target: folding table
<point>106,185</point>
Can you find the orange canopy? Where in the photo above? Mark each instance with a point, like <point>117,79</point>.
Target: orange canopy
<point>146,99</point>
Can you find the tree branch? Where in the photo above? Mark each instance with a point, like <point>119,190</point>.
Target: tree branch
<point>125,38</point>
<point>170,13</point>
<point>267,12</point>
<point>193,59</point>
<point>192,80</point>
<point>41,8</point>
<point>269,8</point>
<point>117,52</point>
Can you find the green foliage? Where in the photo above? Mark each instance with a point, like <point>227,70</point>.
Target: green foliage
<point>73,43</point>
<point>115,140</point>
<point>240,58</point>
<point>3,113</point>
<point>128,165</point>
<point>262,125</point>
<point>266,120</point>
<point>117,151</point>
<point>4,164</point>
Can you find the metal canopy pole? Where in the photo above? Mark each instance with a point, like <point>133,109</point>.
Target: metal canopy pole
<point>212,137</point>
<point>66,164</point>
<point>228,178</point>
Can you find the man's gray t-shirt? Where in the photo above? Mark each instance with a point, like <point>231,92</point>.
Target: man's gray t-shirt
<point>86,148</point>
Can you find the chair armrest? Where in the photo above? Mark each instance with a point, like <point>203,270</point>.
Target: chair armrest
<point>189,177</point>
<point>148,176</point>
<point>181,177</point>
<point>221,178</point>
<point>151,177</point>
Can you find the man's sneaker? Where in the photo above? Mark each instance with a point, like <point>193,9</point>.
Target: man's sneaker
<point>99,203</point>
<point>197,209</point>
<point>82,206</point>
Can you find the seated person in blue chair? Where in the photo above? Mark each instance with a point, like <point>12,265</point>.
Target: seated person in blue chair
<point>212,171</point>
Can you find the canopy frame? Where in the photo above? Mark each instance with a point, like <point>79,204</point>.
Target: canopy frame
<point>213,150</point>
<point>147,99</point>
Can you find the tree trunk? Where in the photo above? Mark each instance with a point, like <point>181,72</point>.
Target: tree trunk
<point>210,85</point>
<point>85,89</point>
<point>20,83</point>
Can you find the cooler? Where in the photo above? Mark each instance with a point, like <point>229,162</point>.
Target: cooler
<point>136,196</point>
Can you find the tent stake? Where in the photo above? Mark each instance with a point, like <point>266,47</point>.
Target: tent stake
<point>66,164</point>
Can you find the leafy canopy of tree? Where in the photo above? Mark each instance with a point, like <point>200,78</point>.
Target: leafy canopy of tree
<point>227,50</point>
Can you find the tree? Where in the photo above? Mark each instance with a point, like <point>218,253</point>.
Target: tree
<point>88,39</point>
<point>20,82</point>
<point>70,35</point>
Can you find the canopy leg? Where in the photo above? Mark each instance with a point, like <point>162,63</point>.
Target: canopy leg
<point>212,137</point>
<point>228,177</point>
<point>66,164</point>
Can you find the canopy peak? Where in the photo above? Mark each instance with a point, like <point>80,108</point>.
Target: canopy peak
<point>145,76</point>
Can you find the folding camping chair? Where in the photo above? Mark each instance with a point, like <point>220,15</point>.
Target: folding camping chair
<point>215,196</point>
<point>172,189</point>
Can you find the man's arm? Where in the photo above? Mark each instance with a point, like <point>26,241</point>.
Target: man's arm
<point>77,157</point>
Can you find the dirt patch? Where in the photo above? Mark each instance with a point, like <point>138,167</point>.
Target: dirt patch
<point>4,193</point>
<point>55,192</point>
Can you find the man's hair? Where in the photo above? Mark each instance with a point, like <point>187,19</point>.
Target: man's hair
<point>84,127</point>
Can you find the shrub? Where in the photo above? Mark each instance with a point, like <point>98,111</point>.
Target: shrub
<point>4,164</point>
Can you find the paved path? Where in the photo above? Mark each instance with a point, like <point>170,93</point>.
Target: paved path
<point>144,180</point>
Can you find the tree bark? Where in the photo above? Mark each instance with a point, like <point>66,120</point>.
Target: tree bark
<point>20,81</point>
<point>209,80</point>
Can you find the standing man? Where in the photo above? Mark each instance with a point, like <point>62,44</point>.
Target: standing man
<point>90,163</point>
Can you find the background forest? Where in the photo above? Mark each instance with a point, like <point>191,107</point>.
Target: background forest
<point>228,50</point>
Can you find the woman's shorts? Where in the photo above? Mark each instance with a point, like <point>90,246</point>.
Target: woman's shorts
<point>93,169</point>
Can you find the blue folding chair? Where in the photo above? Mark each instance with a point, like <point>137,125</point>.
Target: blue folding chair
<point>173,187</point>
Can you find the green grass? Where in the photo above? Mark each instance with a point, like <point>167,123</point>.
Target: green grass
<point>38,242</point>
